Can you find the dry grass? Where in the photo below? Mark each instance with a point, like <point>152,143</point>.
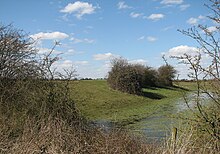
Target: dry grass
<point>56,136</point>
<point>190,142</point>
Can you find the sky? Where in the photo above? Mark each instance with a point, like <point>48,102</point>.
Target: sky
<point>92,32</point>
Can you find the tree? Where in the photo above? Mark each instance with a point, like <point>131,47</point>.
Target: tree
<point>150,77</point>
<point>166,74</point>
<point>125,77</point>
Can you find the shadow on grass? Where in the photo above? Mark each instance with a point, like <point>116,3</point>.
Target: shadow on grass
<point>178,87</point>
<point>152,95</point>
<point>173,88</point>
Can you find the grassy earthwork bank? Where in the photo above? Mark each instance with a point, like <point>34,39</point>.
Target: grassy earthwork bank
<point>96,101</point>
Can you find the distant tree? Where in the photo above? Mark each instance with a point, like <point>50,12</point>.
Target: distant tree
<point>131,78</point>
<point>166,74</point>
<point>117,65</point>
<point>150,77</point>
<point>125,77</point>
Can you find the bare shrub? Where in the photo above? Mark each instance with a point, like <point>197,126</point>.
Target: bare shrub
<point>27,87</point>
<point>56,136</point>
<point>17,54</point>
<point>188,142</point>
<point>206,119</point>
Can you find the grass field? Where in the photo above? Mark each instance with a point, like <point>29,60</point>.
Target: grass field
<point>96,101</point>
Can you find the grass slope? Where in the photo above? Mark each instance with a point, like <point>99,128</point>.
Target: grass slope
<point>96,101</point>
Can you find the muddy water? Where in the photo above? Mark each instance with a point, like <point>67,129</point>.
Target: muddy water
<point>157,126</point>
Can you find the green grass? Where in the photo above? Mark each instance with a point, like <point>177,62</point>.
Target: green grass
<point>96,101</point>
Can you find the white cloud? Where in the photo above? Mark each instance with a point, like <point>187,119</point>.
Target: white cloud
<point>81,62</point>
<point>105,56</point>
<point>72,51</point>
<point>49,36</point>
<point>151,39</point>
<point>66,64</point>
<point>85,40</point>
<point>135,15</point>
<point>76,40</point>
<point>88,40</point>
<point>43,50</point>
<point>193,21</point>
<point>69,64</point>
<point>141,38</point>
<point>122,5</point>
<point>105,67</point>
<point>201,17</point>
<point>171,2</point>
<point>184,7</point>
<point>212,29</point>
<point>138,61</point>
<point>181,50</point>
<point>47,51</point>
<point>155,17</point>
<point>79,9</point>
<point>167,28</point>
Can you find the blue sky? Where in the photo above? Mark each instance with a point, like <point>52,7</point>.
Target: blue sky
<point>94,31</point>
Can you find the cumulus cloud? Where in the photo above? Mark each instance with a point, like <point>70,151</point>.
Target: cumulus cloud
<point>151,39</point>
<point>85,40</point>
<point>148,38</point>
<point>105,56</point>
<point>122,5</point>
<point>69,64</point>
<point>171,2</point>
<point>181,50</point>
<point>155,17</point>
<point>49,36</point>
<point>73,52</point>
<point>135,15</point>
<point>66,64</point>
<point>47,50</point>
<point>79,9</point>
<point>195,21</point>
<point>138,61</point>
<point>184,7</point>
<point>81,62</point>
